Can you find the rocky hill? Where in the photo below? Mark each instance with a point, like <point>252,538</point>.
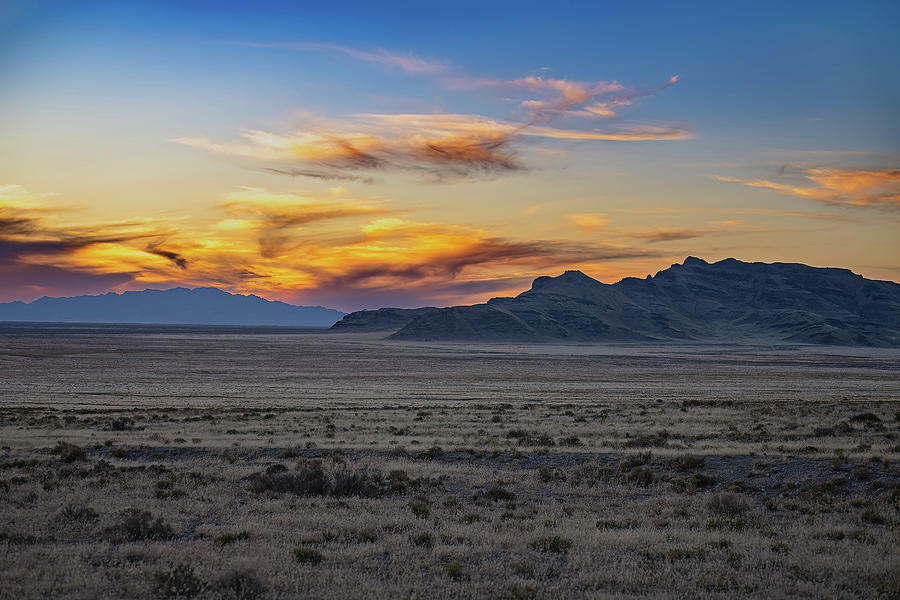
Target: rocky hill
<point>726,301</point>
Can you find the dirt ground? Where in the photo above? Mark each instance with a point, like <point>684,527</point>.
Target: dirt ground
<point>142,462</point>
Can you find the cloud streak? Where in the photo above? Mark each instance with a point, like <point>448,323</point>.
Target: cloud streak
<point>838,186</point>
<point>438,147</point>
<point>407,63</point>
<point>297,247</point>
<point>446,146</point>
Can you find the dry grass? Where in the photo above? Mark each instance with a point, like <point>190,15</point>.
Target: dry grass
<point>342,467</point>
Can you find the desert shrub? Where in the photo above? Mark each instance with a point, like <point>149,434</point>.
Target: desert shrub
<point>493,493</point>
<point>554,543</point>
<point>649,440</point>
<point>425,540</point>
<point>872,517</point>
<point>165,490</point>
<point>548,474</point>
<point>307,555</point>
<point>178,581</point>
<point>19,538</point>
<point>719,523</point>
<point>727,504</point>
<point>119,452</point>
<point>640,476</point>
<point>634,460</point>
<point>419,508</point>
<point>240,585</point>
<point>591,474</point>
<point>702,480</point>
<point>230,538</point>
<point>136,524</point>
<point>364,483</point>
<point>842,428</point>
<point>780,548</point>
<point>867,418</point>
<point>398,481</point>
<point>571,440</point>
<point>398,451</point>
<point>530,438</point>
<point>686,462</point>
<point>75,513</point>
<point>432,453</point>
<point>615,524</point>
<point>68,452</point>
<point>454,570</point>
<point>860,472</point>
<point>276,468</point>
<point>520,591</point>
<point>121,424</point>
<point>825,490</point>
<point>313,479</point>
<point>367,536</point>
<point>331,535</point>
<point>530,570</point>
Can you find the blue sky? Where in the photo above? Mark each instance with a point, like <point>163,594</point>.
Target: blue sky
<point>136,111</point>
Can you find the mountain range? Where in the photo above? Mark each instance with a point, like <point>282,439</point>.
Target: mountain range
<point>725,301</point>
<point>198,306</point>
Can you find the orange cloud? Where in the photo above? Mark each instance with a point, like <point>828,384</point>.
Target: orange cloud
<point>564,95</point>
<point>439,146</point>
<point>435,145</point>
<point>329,247</point>
<point>669,234</point>
<point>843,187</point>
<point>588,221</point>
<point>749,211</point>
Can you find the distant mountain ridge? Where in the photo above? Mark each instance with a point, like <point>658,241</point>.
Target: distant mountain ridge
<point>197,306</point>
<point>725,301</point>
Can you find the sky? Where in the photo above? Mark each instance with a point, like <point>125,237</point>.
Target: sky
<point>360,155</point>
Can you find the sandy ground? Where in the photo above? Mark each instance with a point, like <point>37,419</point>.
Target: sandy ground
<point>441,470</point>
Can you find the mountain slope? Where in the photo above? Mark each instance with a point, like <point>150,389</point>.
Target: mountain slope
<point>198,306</point>
<point>729,301</point>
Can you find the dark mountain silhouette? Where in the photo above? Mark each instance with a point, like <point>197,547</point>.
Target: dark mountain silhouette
<point>198,306</point>
<point>726,301</point>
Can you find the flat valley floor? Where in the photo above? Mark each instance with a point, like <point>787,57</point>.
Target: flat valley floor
<point>177,462</point>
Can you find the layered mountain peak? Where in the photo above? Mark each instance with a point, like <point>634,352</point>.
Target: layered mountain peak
<point>725,301</point>
<point>569,279</point>
<point>693,261</point>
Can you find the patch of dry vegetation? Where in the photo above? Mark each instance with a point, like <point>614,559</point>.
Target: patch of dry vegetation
<point>504,481</point>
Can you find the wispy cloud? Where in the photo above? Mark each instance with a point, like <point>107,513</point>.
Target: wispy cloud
<point>408,63</point>
<point>176,258</point>
<point>441,146</point>
<point>588,221</point>
<point>798,215</point>
<point>276,217</point>
<point>748,211</point>
<point>670,234</point>
<point>838,186</point>
<point>318,247</point>
<point>437,146</point>
<point>594,223</point>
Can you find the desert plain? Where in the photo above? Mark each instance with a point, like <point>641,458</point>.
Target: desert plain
<point>215,462</point>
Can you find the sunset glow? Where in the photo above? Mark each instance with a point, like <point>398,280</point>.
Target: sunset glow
<point>262,149</point>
